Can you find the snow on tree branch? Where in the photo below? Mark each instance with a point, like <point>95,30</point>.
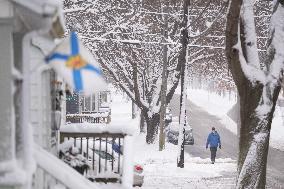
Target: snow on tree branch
<point>252,73</point>
<point>208,24</point>
<point>247,17</point>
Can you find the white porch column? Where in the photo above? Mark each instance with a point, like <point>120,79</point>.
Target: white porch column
<point>6,96</point>
<point>7,116</point>
<point>7,126</point>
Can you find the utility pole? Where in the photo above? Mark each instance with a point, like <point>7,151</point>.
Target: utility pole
<point>164,84</point>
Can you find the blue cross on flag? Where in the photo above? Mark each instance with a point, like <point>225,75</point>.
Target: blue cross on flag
<point>76,65</point>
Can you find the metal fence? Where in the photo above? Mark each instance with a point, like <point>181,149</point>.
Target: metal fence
<point>103,153</point>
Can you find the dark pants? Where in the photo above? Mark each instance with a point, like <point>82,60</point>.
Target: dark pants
<point>213,151</point>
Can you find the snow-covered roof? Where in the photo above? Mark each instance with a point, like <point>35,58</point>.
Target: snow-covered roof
<point>43,7</point>
<point>40,14</point>
<point>113,128</point>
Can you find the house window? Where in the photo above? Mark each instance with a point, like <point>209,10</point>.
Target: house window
<point>88,103</point>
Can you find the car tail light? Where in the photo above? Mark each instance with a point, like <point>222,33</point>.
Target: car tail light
<point>138,168</point>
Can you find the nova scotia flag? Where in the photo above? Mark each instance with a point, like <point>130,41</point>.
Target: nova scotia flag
<point>76,65</point>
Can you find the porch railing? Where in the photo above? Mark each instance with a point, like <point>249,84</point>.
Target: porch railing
<point>53,173</point>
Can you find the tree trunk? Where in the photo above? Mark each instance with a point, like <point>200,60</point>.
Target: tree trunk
<point>142,123</point>
<point>254,136</point>
<point>257,102</point>
<point>163,94</point>
<point>133,110</point>
<point>152,127</point>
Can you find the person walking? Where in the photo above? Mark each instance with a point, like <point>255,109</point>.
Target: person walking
<point>213,140</point>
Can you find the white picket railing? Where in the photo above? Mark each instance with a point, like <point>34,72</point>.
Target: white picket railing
<point>55,174</point>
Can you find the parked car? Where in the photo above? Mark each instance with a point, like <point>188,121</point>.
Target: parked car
<point>172,133</point>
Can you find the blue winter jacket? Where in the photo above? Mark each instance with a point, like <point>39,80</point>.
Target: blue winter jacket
<point>213,140</point>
